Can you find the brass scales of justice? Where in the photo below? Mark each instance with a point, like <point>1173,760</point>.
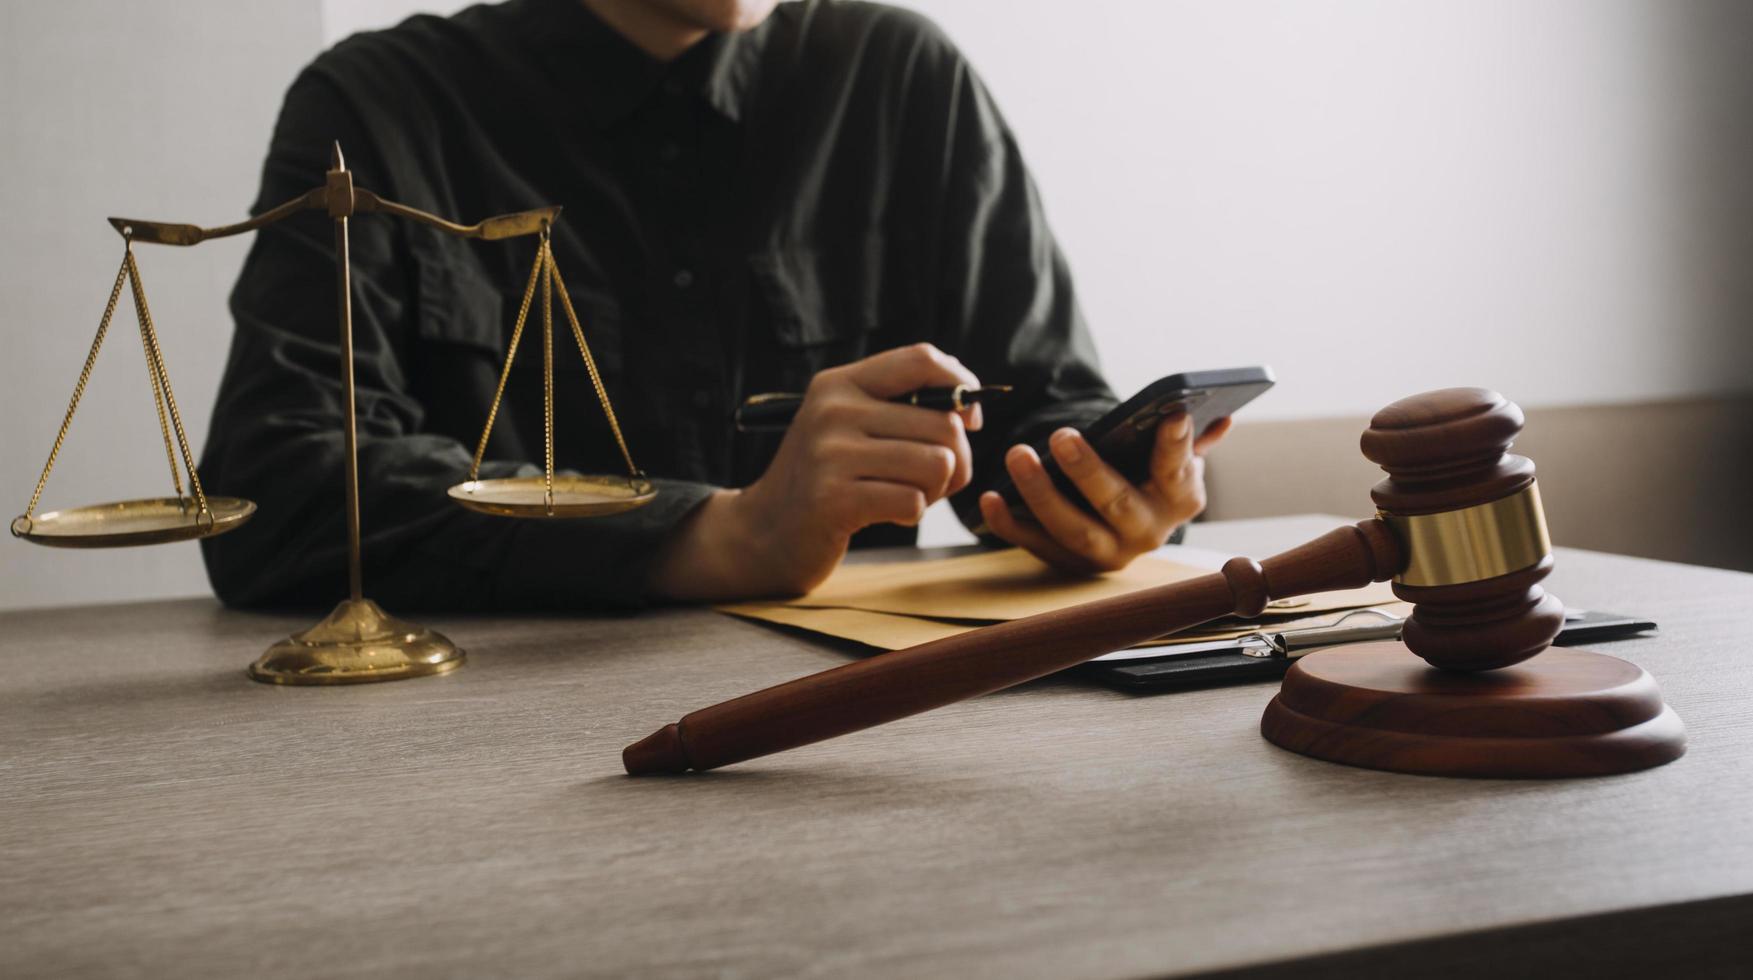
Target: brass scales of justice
<point>358,641</point>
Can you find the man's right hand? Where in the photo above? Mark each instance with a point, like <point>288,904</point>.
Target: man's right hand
<point>850,459</point>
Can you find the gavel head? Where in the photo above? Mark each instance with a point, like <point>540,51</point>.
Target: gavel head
<point>1467,513</point>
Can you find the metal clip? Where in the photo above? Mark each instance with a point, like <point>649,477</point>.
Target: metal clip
<point>1291,644</point>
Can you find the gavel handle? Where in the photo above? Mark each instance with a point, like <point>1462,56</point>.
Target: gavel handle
<point>881,689</point>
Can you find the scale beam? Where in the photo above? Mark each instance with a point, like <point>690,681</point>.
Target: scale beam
<point>496,228</point>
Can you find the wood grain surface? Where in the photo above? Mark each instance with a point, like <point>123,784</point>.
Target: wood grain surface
<point>162,815</point>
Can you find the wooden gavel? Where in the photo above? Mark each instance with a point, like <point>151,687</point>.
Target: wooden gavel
<point>1459,529</point>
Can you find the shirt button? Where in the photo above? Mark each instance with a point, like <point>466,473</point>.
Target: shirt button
<point>668,152</point>
<point>683,279</point>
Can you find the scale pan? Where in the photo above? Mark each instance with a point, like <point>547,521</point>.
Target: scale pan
<point>574,496</point>
<point>130,522</point>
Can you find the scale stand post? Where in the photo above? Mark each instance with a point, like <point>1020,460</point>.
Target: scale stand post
<point>357,642</point>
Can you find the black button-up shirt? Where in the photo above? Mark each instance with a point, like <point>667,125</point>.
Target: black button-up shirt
<point>833,183</point>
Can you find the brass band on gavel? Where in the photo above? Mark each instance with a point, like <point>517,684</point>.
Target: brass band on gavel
<point>1474,543</point>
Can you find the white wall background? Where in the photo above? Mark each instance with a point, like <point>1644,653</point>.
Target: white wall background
<point>159,109</point>
<point>1376,197</point>
<point>1379,197</point>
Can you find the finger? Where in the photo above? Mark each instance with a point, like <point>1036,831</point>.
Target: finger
<point>1075,530</point>
<point>884,420</point>
<point>882,502</point>
<point>1189,501</point>
<point>1181,498</point>
<point>908,369</point>
<point>927,467</point>
<point>1210,437</point>
<point>1116,500</point>
<point>1172,452</point>
<point>1028,537</point>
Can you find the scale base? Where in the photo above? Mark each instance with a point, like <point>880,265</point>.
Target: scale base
<point>356,644</point>
<point>1564,713</point>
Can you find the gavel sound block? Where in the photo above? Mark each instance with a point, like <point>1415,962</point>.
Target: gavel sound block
<point>1462,535</point>
<point>1479,703</point>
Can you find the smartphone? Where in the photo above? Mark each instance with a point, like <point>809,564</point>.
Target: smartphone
<point>1126,436</point>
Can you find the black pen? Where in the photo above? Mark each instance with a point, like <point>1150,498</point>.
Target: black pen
<point>773,412</point>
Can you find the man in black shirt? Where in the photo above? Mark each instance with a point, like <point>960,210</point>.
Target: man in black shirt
<point>816,197</point>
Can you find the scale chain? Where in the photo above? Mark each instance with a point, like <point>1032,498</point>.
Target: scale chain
<point>170,455</point>
<point>590,365</point>
<point>546,258</point>
<point>155,355</point>
<point>103,328</point>
<point>523,312</point>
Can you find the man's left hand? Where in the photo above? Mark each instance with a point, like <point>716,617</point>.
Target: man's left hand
<point>1130,519</point>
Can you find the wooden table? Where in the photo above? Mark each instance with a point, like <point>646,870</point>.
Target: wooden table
<point>161,815</point>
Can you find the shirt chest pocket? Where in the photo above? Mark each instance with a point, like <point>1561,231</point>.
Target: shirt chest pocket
<point>819,304</point>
